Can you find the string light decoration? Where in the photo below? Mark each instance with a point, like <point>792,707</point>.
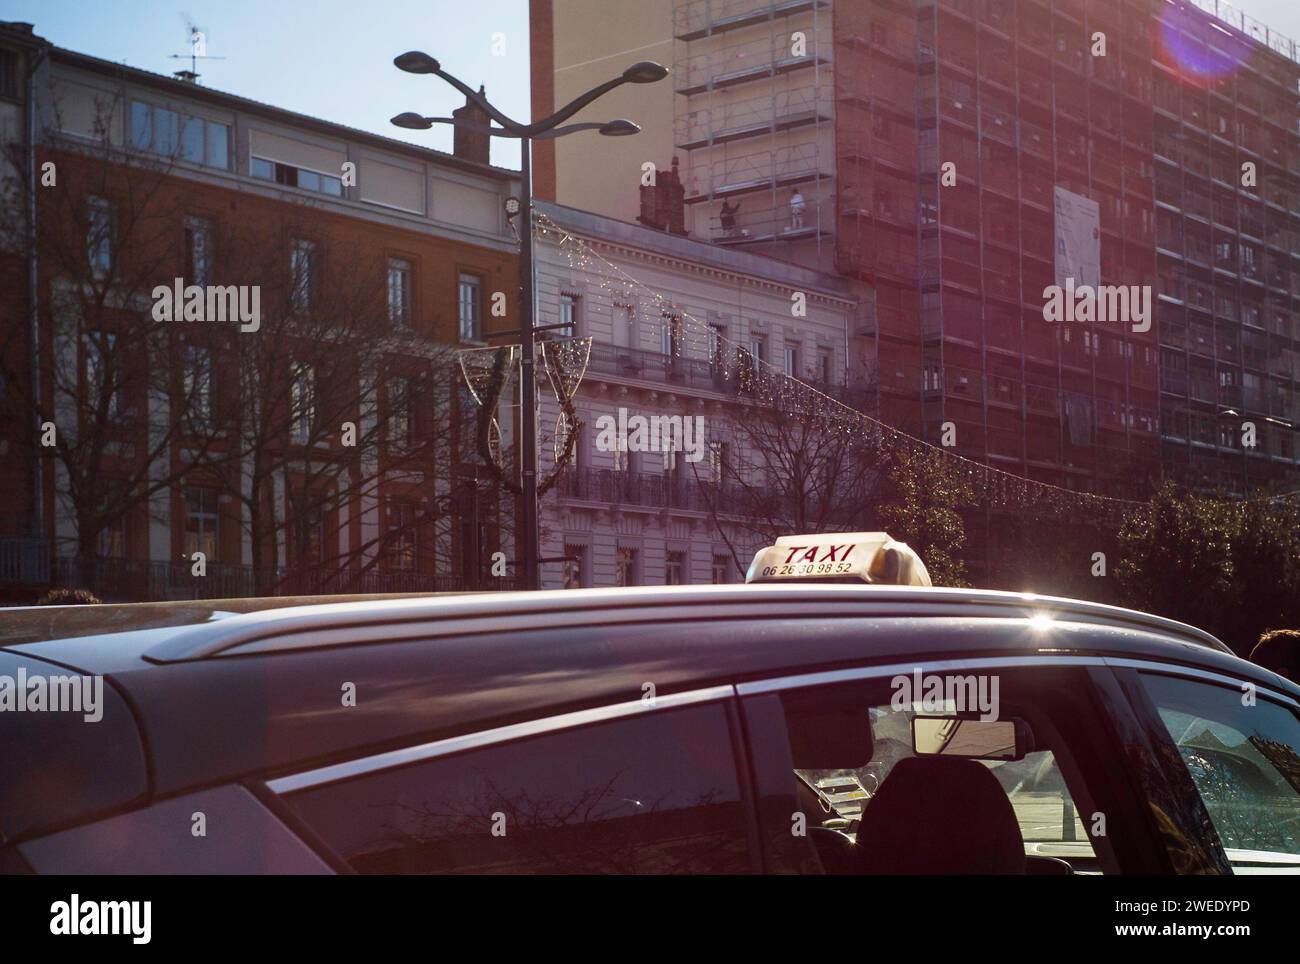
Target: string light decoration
<point>566,363</point>
<point>487,372</point>
<point>759,382</point>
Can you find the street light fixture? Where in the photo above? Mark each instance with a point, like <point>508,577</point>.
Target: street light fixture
<point>643,72</point>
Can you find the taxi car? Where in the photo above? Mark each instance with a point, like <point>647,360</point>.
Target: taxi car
<point>786,727</point>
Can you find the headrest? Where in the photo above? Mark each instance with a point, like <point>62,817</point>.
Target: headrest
<point>940,815</point>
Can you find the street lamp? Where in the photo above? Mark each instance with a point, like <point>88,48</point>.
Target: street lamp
<point>643,72</point>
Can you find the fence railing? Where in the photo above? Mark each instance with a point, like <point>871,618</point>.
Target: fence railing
<point>666,490</point>
<point>29,562</point>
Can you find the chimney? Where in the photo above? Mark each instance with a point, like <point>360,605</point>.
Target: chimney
<point>663,204</point>
<point>471,145</point>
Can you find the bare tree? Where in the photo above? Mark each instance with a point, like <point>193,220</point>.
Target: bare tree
<point>114,405</point>
<point>798,461</point>
<point>335,400</point>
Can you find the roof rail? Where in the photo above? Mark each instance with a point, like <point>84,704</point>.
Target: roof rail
<point>393,620</point>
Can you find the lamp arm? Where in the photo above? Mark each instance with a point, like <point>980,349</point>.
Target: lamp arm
<point>575,105</point>
<point>566,129</point>
<point>481,102</point>
<point>469,125</point>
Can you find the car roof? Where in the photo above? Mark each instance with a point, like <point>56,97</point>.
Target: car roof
<point>220,694</point>
<point>200,629</point>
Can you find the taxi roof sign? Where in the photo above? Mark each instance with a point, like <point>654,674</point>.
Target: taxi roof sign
<point>853,557</point>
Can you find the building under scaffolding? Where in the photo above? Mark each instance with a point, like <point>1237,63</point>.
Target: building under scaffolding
<point>945,152</point>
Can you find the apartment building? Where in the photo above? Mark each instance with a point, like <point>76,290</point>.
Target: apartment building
<point>322,447</point>
<point>673,323</point>
<point>947,152</point>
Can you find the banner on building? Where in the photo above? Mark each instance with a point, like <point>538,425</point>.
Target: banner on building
<point>1078,239</point>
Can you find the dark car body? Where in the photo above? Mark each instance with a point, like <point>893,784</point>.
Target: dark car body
<point>631,730</point>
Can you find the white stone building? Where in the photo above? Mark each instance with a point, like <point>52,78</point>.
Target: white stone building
<point>661,310</point>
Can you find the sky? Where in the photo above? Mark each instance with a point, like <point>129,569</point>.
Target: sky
<point>333,58</point>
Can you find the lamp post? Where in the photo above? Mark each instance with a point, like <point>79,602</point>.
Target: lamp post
<point>644,72</point>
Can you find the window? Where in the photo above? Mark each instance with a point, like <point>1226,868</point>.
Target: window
<point>568,316</point>
<point>622,457</point>
<point>310,538</point>
<point>166,132</point>
<point>721,570</point>
<point>824,370</point>
<point>719,458</point>
<point>99,237</point>
<point>674,568</point>
<point>471,307</point>
<point>171,134</point>
<point>655,793</point>
<point>102,375</point>
<point>670,335</point>
<point>1244,760</point>
<point>112,539</point>
<point>218,146</point>
<point>835,752</point>
<point>302,402</point>
<point>575,565</point>
<point>202,522</point>
<point>8,73</point>
<point>198,251</point>
<point>291,176</point>
<point>192,140</point>
<point>399,292</point>
<point>198,385</point>
<point>625,326</point>
<point>790,361</point>
<point>717,337</point>
<point>399,413</point>
<point>756,350</point>
<point>302,275</point>
<point>624,566</point>
<point>401,539</point>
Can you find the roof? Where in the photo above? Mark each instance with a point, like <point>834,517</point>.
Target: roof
<point>664,243</point>
<point>197,92</point>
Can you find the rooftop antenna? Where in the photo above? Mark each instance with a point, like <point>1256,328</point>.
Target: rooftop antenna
<point>198,51</point>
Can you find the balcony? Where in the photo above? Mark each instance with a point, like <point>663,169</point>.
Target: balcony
<point>652,366</point>
<point>655,491</point>
<point>701,374</point>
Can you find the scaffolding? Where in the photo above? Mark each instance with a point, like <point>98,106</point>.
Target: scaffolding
<point>754,120</point>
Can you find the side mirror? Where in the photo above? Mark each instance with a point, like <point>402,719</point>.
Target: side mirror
<point>973,739</point>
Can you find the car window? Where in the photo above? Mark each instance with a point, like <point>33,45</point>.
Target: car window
<point>1045,811</point>
<point>867,727</point>
<point>652,794</point>
<point>1242,755</point>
